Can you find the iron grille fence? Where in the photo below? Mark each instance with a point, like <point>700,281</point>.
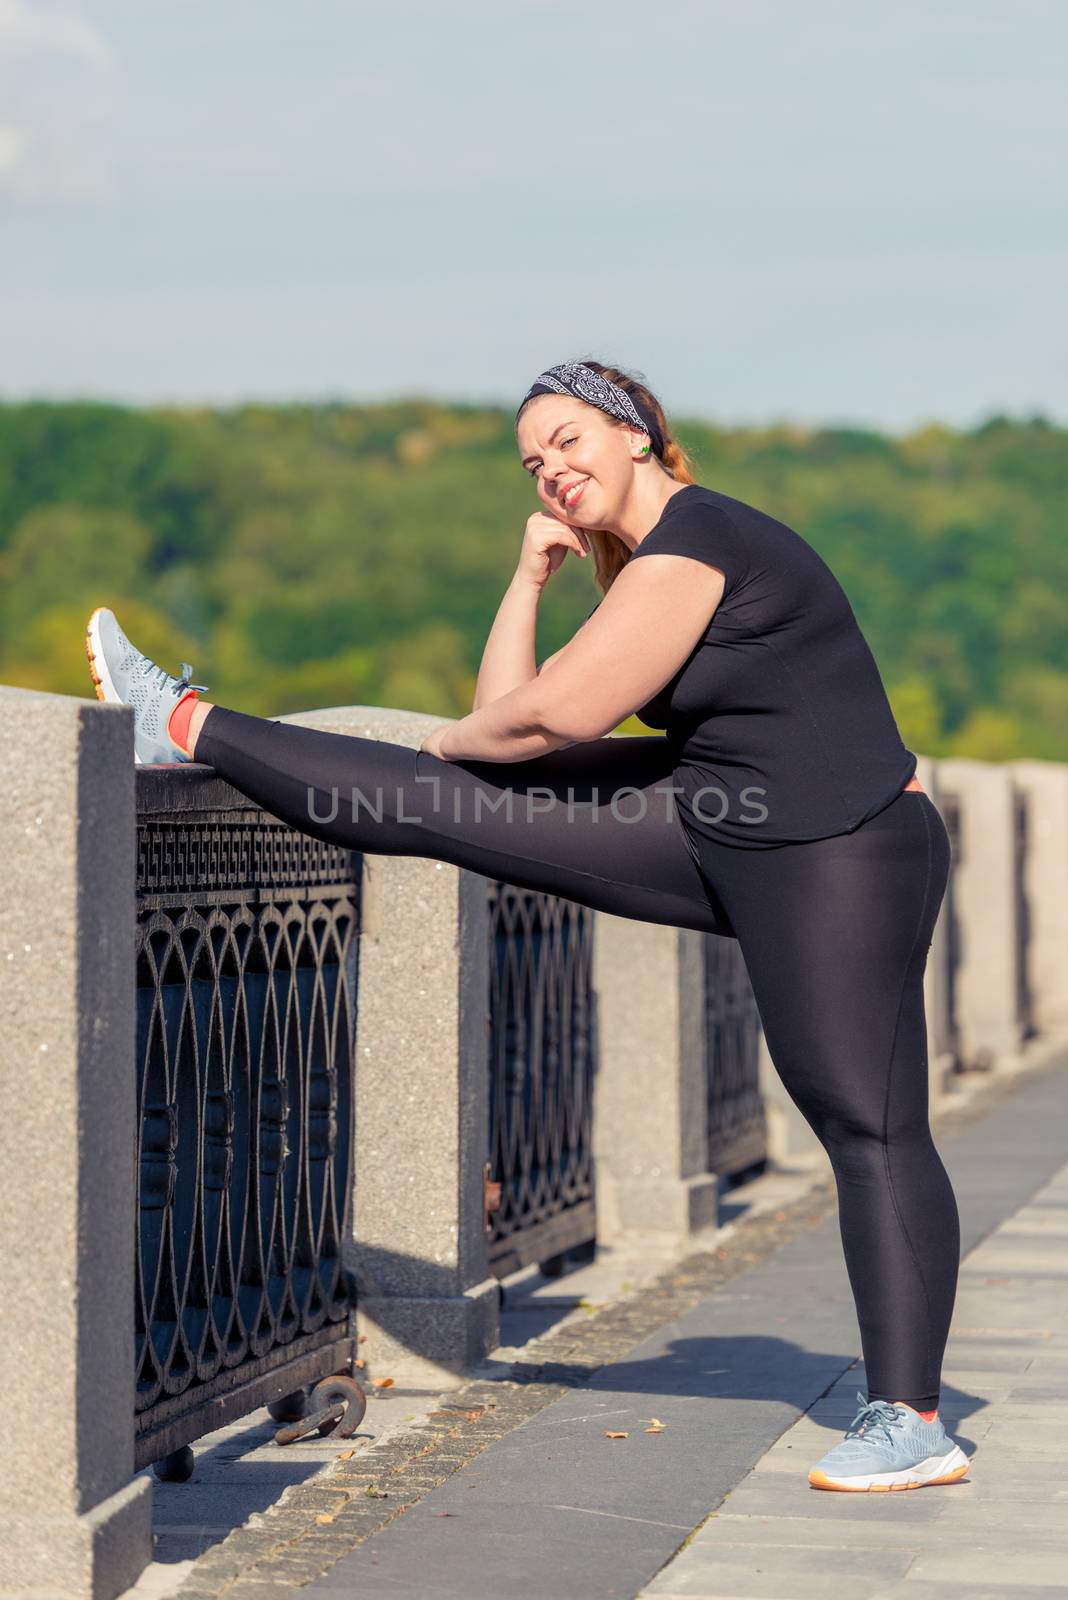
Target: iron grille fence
<point>542,1055</point>
<point>246,987</point>
<point>949,805</point>
<point>737,1123</point>
<point>1021,824</point>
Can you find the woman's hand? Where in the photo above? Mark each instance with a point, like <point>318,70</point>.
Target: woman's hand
<point>432,743</point>
<point>545,544</point>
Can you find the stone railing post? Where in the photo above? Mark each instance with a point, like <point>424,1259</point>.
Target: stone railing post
<point>986,989</point>
<point>426,1302</point>
<point>650,1104</point>
<point>74,1520</point>
<point>937,978</point>
<point>1045,784</point>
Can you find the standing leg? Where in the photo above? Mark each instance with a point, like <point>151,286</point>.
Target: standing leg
<point>595,823</point>
<point>835,934</point>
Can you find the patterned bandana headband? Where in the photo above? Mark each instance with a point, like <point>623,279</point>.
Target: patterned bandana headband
<point>572,377</point>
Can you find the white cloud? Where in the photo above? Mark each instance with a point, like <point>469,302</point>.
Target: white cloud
<point>12,152</point>
<point>47,30</point>
<point>54,65</point>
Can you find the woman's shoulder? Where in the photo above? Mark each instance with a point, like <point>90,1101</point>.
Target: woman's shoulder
<point>763,534</point>
<point>699,499</point>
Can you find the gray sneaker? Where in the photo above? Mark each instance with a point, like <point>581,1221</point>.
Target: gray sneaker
<point>888,1445</point>
<point>123,676</point>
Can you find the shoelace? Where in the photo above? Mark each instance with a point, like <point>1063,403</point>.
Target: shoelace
<point>181,684</point>
<point>874,1417</point>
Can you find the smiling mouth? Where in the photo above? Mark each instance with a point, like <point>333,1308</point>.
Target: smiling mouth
<point>574,495</point>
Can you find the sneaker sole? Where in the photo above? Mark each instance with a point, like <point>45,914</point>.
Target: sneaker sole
<point>98,667</point>
<point>936,1469</point>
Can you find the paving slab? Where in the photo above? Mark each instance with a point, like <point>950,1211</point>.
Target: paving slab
<point>1002,1531</point>
<point>920,1589</point>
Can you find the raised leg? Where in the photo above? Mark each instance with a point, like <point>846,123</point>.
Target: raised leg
<point>596,823</point>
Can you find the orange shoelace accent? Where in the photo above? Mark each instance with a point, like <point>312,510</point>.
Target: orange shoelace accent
<point>180,718</point>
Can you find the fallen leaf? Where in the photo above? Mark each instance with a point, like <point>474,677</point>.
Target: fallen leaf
<point>444,1513</point>
<point>362,1339</point>
<point>616,1435</point>
<point>325,1516</point>
<point>382,1383</point>
<point>346,1455</point>
<point>360,1363</point>
<point>659,1428</point>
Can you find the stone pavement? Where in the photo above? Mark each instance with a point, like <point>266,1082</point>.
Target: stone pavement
<point>1002,1531</point>
<point>250,1505</point>
<point>745,1354</point>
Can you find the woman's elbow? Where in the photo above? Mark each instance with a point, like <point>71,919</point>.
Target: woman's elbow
<point>574,723</point>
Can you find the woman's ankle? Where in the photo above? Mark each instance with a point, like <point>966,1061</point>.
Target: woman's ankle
<point>197,721</point>
<point>186,721</point>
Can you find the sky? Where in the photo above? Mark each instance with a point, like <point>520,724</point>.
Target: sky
<point>818,211</point>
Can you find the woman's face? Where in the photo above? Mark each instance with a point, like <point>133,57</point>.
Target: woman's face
<point>581,459</point>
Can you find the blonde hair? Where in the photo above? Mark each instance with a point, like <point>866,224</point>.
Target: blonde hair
<point>610,554</point>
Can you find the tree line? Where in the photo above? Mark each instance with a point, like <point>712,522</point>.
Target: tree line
<point>315,555</point>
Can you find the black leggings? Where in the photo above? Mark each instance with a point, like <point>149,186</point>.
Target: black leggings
<point>834,933</point>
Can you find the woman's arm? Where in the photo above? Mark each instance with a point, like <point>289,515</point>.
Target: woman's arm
<point>508,657</point>
<point>631,646</point>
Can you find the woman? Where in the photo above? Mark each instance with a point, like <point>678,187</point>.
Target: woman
<point>780,808</point>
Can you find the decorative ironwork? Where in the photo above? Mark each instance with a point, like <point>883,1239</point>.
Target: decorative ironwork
<point>1024,1003</point>
<point>541,1065</point>
<point>246,990</point>
<point>737,1123</point>
<point>949,805</point>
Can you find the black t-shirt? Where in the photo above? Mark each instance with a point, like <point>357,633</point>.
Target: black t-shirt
<point>780,718</point>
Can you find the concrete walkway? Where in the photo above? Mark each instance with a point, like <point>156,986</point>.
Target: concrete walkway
<point>748,1386</point>
<point>727,1373</point>
<point>1002,1531</point>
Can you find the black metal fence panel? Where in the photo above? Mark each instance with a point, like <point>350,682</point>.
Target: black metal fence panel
<point>247,940</point>
<point>737,1122</point>
<point>542,1055</point>
<point>949,806</point>
<point>1024,998</point>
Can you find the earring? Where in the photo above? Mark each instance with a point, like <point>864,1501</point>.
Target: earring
<point>644,450</point>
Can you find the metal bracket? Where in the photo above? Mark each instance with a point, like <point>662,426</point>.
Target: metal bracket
<point>336,1405</point>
